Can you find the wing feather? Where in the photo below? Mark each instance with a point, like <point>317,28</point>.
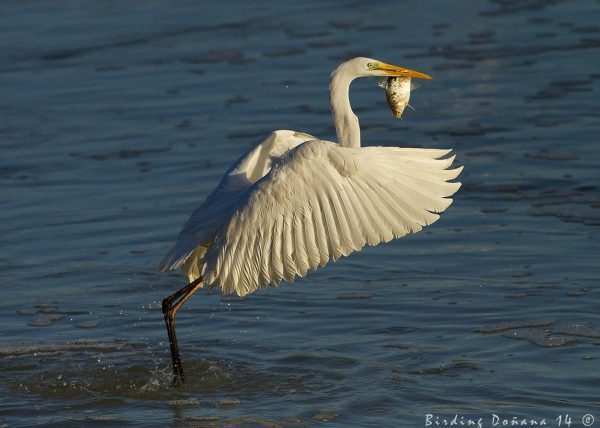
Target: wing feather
<point>276,262</point>
<point>367,224</point>
<point>287,247</point>
<point>232,266</point>
<point>320,231</point>
<point>265,248</point>
<point>373,216</point>
<point>302,265</point>
<point>250,264</point>
<point>331,227</point>
<point>322,201</point>
<point>382,210</point>
<point>312,249</point>
<point>342,222</point>
<point>355,229</point>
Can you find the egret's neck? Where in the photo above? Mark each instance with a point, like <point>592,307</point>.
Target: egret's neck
<point>346,122</point>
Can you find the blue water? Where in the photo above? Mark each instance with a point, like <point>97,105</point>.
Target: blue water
<point>117,119</point>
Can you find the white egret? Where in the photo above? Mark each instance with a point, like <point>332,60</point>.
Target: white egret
<point>295,201</point>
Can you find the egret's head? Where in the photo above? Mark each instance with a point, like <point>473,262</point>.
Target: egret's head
<point>366,67</point>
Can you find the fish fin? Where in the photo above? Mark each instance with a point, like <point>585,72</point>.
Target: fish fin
<point>408,105</point>
<point>414,86</point>
<point>383,84</point>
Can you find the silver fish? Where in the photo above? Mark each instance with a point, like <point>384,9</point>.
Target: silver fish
<point>397,91</point>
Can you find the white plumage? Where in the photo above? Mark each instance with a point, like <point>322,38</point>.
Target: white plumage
<point>294,202</point>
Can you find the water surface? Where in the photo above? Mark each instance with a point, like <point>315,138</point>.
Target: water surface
<point>117,119</point>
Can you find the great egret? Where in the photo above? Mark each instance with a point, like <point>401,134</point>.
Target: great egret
<point>294,201</point>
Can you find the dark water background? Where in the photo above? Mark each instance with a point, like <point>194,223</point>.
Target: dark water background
<point>117,118</point>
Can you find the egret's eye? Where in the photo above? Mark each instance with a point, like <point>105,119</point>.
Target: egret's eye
<point>372,65</point>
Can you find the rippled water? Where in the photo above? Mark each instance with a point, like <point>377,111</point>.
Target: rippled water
<point>116,119</point>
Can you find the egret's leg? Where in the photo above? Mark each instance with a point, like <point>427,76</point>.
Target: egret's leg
<point>170,306</point>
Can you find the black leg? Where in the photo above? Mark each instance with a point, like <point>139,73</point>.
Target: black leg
<point>170,306</point>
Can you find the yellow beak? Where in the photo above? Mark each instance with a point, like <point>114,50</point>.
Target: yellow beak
<point>394,70</point>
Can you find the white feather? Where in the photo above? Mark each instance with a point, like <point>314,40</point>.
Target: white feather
<point>319,202</point>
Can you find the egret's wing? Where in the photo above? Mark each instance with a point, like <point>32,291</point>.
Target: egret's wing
<point>198,231</point>
<point>202,224</point>
<point>323,201</point>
